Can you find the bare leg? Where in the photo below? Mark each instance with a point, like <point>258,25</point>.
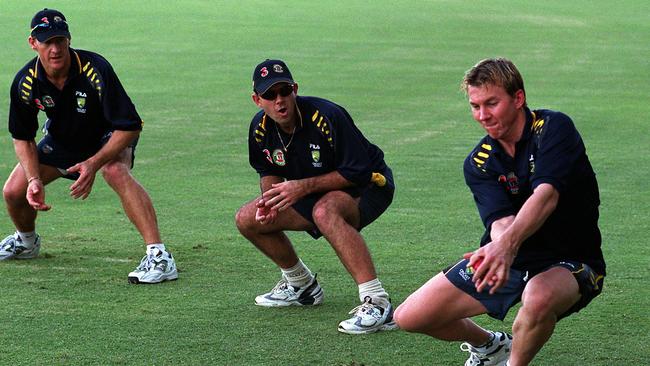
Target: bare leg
<point>135,200</point>
<point>547,295</point>
<point>21,213</point>
<point>441,310</point>
<point>336,215</point>
<point>270,238</point>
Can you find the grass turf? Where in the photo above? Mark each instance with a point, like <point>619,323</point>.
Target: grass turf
<point>395,65</point>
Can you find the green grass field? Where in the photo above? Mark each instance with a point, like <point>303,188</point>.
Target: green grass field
<point>396,67</point>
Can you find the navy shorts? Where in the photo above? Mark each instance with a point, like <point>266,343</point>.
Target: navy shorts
<point>590,284</point>
<point>54,154</point>
<point>374,201</point>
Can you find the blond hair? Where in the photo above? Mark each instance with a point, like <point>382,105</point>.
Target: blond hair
<point>494,71</point>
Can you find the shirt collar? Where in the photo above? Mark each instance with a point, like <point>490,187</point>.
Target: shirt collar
<point>528,127</point>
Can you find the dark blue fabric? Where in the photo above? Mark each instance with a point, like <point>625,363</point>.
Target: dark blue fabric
<point>348,151</point>
<point>91,104</point>
<point>550,151</point>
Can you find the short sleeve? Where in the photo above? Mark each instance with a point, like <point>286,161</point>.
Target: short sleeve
<point>23,114</point>
<point>491,199</point>
<point>559,148</point>
<point>352,157</point>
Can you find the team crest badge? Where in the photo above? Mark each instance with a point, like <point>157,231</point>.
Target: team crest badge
<point>511,182</point>
<point>48,101</point>
<point>81,102</point>
<point>278,157</point>
<point>315,156</point>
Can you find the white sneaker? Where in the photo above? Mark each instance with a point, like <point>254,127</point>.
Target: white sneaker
<point>498,357</point>
<point>283,294</point>
<point>155,267</point>
<point>12,247</point>
<point>369,318</point>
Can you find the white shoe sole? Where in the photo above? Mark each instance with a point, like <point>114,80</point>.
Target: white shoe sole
<point>388,326</point>
<point>168,277</point>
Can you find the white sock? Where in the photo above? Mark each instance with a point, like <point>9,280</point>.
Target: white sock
<point>159,246</point>
<point>375,291</point>
<point>28,238</point>
<point>298,275</point>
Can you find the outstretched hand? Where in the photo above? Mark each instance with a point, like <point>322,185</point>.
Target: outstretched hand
<point>36,195</point>
<point>84,184</point>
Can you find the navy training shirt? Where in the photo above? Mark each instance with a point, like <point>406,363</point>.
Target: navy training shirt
<point>325,140</point>
<point>92,103</point>
<point>549,151</point>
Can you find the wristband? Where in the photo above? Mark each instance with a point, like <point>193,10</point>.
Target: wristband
<point>32,179</point>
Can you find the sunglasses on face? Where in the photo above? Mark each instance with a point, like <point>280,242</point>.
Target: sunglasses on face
<point>282,91</point>
<point>44,27</point>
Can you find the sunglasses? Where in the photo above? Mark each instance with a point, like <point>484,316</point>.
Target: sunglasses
<point>282,91</point>
<point>44,27</point>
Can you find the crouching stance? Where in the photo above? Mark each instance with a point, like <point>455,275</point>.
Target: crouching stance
<point>92,126</point>
<point>538,198</point>
<point>318,174</point>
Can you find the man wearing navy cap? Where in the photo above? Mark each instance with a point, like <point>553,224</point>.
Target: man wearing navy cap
<point>537,196</point>
<point>318,174</point>
<point>92,125</point>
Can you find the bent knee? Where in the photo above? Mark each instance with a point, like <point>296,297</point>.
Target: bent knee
<point>409,320</point>
<point>116,172</point>
<point>240,219</point>
<point>333,207</point>
<point>322,214</point>
<point>14,191</point>
<point>245,218</point>
<point>538,308</point>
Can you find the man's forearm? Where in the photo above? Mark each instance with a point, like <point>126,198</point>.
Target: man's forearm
<point>118,141</point>
<point>532,215</point>
<point>27,154</point>
<point>327,182</point>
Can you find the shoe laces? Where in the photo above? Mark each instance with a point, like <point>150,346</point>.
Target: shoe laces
<point>150,260</point>
<point>283,287</point>
<point>146,263</point>
<point>10,245</point>
<point>475,356</point>
<point>367,309</point>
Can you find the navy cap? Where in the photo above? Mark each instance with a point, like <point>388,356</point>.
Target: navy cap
<point>269,73</point>
<point>49,23</point>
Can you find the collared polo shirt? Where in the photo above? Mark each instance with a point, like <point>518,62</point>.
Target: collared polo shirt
<point>550,151</point>
<point>325,140</point>
<point>91,103</point>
